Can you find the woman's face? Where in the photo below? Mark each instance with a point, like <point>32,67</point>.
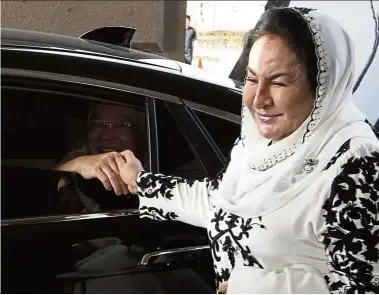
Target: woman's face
<point>277,91</point>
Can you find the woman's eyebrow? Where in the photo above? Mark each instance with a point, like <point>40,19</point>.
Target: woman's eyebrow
<point>273,75</point>
<point>250,70</point>
<point>279,74</point>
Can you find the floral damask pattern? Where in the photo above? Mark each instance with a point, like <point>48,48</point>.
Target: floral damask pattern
<point>158,185</point>
<point>351,216</point>
<point>343,149</point>
<point>352,219</point>
<point>157,214</point>
<point>227,235</point>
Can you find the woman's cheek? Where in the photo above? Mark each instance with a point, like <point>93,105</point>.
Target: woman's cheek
<point>248,95</point>
<point>283,98</point>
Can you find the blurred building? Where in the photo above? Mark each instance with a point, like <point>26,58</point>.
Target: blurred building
<point>225,15</point>
<point>160,24</point>
<point>218,21</point>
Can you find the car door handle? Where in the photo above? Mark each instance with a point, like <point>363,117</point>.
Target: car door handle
<point>147,257</point>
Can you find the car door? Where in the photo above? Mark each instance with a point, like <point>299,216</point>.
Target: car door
<point>54,243</point>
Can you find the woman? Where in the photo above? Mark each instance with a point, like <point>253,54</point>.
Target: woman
<point>296,210</point>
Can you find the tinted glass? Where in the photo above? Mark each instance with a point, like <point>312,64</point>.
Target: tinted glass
<point>176,155</point>
<point>43,130</point>
<point>223,132</point>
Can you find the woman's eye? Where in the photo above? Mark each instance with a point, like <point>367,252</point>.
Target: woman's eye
<point>279,83</point>
<point>252,80</point>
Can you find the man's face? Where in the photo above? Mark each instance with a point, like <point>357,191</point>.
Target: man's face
<point>109,129</point>
<point>187,23</point>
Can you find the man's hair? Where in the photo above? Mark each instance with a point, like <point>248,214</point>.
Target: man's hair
<point>188,17</point>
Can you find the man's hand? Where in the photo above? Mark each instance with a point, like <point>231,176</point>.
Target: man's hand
<point>103,167</point>
<point>129,170</point>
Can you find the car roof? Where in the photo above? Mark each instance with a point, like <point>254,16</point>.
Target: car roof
<point>41,40</point>
<point>49,41</point>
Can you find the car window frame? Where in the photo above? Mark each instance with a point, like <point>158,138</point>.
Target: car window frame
<point>40,78</point>
<point>199,144</point>
<point>151,96</point>
<point>191,107</point>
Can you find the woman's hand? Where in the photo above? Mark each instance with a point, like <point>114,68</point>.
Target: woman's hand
<point>104,167</point>
<point>129,170</point>
<point>223,287</point>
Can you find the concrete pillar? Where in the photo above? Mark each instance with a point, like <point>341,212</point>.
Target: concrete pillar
<point>159,24</point>
<point>174,29</point>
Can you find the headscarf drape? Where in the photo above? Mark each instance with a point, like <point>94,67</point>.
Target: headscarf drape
<point>262,178</point>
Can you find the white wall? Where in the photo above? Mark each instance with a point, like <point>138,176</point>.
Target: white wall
<point>356,18</point>
<point>225,15</point>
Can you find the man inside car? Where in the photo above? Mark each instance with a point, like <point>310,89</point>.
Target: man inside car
<point>110,130</point>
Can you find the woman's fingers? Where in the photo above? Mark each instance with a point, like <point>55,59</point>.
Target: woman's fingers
<point>223,287</point>
<point>129,170</point>
<point>119,161</point>
<point>131,159</point>
<point>107,168</point>
<point>133,189</point>
<point>129,156</point>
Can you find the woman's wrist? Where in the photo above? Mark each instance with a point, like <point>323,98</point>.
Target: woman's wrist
<point>139,175</point>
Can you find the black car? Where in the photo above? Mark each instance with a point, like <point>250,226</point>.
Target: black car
<point>93,241</point>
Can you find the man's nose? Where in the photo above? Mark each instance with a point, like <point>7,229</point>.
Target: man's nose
<point>106,132</point>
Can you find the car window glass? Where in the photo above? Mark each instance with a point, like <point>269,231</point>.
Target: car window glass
<point>41,130</point>
<point>223,132</point>
<point>175,154</point>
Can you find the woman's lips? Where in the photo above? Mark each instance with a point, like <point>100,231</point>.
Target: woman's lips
<point>267,118</point>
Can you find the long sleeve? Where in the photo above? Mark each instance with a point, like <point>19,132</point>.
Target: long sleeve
<point>342,226</point>
<point>351,238</point>
<point>174,198</point>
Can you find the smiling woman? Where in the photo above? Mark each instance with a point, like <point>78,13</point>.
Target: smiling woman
<point>286,217</point>
<point>277,91</point>
<point>281,76</point>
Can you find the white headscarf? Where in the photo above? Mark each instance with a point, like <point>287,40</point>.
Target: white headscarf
<point>262,178</point>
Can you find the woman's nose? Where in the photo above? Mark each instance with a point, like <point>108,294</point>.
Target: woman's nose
<point>258,98</point>
<point>262,97</point>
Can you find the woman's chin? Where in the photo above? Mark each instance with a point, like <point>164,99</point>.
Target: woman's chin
<point>269,134</point>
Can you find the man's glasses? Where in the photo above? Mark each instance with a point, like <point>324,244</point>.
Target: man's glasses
<point>111,124</point>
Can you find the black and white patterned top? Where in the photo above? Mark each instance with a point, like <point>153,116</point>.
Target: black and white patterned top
<point>326,240</point>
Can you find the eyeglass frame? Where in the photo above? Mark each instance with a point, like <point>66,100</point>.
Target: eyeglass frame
<point>111,123</point>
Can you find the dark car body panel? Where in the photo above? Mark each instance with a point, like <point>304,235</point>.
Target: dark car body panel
<point>128,67</point>
<point>40,252</point>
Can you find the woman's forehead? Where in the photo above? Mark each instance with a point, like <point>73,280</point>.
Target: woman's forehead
<point>270,54</point>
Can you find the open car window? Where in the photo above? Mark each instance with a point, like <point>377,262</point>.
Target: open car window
<point>43,129</point>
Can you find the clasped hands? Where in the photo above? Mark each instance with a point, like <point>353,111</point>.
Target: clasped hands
<point>116,171</point>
